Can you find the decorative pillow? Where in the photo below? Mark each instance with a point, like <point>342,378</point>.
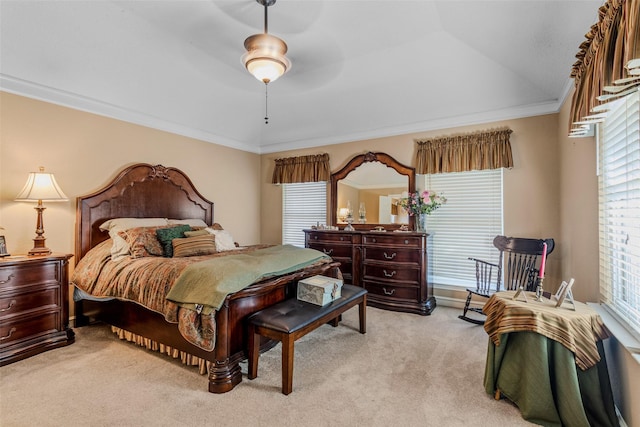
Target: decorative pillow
<point>166,235</point>
<point>224,240</point>
<point>142,241</point>
<point>120,247</point>
<point>193,246</point>
<point>193,233</point>
<point>193,222</point>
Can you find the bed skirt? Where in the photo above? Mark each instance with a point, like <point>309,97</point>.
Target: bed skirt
<point>185,358</point>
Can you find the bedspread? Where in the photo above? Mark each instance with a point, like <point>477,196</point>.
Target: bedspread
<point>147,281</point>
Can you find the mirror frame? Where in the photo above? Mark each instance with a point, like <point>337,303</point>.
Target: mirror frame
<point>354,163</point>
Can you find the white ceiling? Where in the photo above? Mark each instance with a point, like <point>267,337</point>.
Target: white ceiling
<point>361,69</point>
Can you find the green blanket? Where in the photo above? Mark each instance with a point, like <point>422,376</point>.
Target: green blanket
<point>209,282</point>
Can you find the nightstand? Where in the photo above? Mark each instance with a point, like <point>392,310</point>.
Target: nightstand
<point>34,305</point>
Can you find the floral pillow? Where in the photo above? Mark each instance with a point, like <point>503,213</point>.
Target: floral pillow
<point>120,248</point>
<point>142,241</point>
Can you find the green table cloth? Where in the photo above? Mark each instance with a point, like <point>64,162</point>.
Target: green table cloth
<point>540,374</point>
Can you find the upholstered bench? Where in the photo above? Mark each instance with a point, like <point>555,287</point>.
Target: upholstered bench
<point>292,319</point>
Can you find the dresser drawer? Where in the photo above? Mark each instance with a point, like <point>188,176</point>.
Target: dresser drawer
<point>392,239</point>
<point>333,250</point>
<point>393,255</point>
<point>28,274</point>
<point>31,298</point>
<point>329,237</point>
<point>27,328</point>
<point>409,293</point>
<point>391,272</point>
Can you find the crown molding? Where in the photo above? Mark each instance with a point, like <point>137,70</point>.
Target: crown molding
<point>40,92</point>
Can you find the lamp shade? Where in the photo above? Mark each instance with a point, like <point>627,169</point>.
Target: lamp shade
<point>41,186</point>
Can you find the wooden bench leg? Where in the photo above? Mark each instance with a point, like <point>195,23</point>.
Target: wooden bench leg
<point>335,322</point>
<point>363,315</point>
<point>287,363</point>
<point>254,353</point>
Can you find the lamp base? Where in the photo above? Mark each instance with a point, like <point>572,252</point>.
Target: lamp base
<point>39,247</point>
<point>40,251</point>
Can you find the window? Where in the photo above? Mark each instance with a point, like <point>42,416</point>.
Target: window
<point>619,191</point>
<point>466,225</point>
<point>303,204</point>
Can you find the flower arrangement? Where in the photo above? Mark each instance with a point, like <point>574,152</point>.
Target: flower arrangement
<point>422,203</point>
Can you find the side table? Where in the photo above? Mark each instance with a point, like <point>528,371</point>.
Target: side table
<point>34,305</point>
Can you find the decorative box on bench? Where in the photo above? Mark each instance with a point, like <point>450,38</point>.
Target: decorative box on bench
<point>319,290</point>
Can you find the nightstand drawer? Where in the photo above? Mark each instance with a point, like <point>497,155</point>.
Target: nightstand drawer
<point>33,299</point>
<point>28,274</point>
<point>28,328</point>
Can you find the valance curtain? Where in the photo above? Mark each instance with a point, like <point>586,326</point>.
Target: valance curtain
<point>475,151</point>
<point>312,168</point>
<point>610,45</point>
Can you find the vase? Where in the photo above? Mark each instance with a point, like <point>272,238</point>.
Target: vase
<point>421,223</point>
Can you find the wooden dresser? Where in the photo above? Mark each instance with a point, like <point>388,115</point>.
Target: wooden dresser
<point>392,266</point>
<point>34,305</point>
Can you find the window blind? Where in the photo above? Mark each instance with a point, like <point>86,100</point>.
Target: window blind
<point>466,225</point>
<point>619,210</point>
<point>303,204</point>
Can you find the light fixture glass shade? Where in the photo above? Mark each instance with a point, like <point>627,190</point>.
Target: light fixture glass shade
<point>265,58</point>
<point>41,186</point>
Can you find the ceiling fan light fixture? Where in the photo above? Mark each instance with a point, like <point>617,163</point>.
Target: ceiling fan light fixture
<point>265,58</point>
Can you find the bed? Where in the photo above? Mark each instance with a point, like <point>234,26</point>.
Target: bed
<point>154,191</point>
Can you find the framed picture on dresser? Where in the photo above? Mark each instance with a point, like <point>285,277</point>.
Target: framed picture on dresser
<point>3,247</point>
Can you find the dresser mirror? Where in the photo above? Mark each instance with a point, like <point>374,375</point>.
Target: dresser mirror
<point>370,185</point>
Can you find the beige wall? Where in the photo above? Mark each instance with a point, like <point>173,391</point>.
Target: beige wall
<point>579,210</point>
<point>85,151</point>
<point>531,188</point>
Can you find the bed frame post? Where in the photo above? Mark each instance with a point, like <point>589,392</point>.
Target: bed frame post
<point>224,372</point>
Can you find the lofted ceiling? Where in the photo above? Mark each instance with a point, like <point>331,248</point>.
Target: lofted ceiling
<point>361,69</point>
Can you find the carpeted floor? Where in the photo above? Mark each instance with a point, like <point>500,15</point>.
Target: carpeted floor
<point>408,370</point>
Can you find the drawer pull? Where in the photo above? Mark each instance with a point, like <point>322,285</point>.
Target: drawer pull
<point>386,292</point>
<point>328,252</point>
<point>393,273</point>
<point>11,331</point>
<point>11,276</point>
<point>392,256</point>
<point>9,307</point>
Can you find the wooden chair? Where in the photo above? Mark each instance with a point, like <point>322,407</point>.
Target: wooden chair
<point>517,264</point>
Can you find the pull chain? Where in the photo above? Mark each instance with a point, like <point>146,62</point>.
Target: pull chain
<point>266,104</point>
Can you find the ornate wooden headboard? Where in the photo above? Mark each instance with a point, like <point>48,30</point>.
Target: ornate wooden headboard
<point>139,191</point>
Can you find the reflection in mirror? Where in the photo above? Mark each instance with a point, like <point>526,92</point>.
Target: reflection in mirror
<point>372,192</point>
<point>366,192</point>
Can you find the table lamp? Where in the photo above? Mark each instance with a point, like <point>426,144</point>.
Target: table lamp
<point>342,214</point>
<point>40,186</point>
